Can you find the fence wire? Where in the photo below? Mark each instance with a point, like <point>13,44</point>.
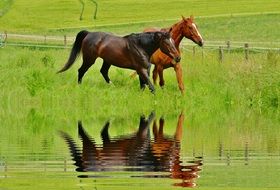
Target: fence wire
<point>44,41</point>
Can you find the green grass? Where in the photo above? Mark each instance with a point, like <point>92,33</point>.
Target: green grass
<point>43,16</point>
<point>28,77</point>
<point>5,6</point>
<point>28,80</point>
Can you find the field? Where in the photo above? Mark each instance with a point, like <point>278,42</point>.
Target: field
<point>29,81</point>
<point>42,16</point>
<point>233,103</point>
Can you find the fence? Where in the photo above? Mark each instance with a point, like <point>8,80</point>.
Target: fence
<point>233,46</point>
<point>43,41</point>
<point>64,41</point>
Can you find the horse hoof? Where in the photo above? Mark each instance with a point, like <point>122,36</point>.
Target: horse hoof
<point>111,83</point>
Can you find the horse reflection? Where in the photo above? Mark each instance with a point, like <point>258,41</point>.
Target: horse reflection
<point>136,152</point>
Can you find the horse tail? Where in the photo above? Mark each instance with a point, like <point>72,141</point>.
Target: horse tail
<point>75,50</point>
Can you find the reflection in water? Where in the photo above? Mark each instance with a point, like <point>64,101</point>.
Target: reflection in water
<point>136,152</point>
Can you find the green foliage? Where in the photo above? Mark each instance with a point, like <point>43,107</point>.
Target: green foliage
<point>235,82</point>
<point>48,60</point>
<point>36,81</point>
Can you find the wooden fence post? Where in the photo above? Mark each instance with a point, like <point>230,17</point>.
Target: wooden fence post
<point>45,39</point>
<point>221,150</point>
<point>65,40</point>
<point>246,153</point>
<point>5,38</point>
<point>228,158</point>
<point>221,54</point>
<point>65,165</point>
<point>228,46</point>
<point>246,46</point>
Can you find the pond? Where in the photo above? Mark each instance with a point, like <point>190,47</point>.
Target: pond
<point>140,151</point>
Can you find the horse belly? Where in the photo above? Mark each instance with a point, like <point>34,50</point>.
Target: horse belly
<point>116,57</point>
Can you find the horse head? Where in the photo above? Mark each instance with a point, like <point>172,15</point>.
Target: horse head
<point>167,46</point>
<point>190,30</point>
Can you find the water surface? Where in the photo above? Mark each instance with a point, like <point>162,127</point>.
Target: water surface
<point>141,152</point>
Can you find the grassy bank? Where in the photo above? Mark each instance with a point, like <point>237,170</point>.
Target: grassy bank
<point>28,77</point>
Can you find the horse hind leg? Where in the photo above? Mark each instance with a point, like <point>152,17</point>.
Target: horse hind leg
<point>104,71</point>
<point>87,63</point>
<point>155,74</point>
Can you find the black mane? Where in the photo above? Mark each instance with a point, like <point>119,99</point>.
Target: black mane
<point>147,41</point>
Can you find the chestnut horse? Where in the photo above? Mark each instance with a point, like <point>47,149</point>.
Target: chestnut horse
<point>135,152</point>
<point>184,28</point>
<point>132,51</point>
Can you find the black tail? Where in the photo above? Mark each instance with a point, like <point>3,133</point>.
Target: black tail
<point>75,50</point>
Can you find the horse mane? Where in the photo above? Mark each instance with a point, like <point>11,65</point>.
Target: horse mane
<point>169,29</point>
<point>140,38</point>
<point>145,41</point>
<point>137,35</point>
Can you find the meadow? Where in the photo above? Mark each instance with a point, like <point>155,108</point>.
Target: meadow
<point>26,16</point>
<point>227,103</point>
<point>29,81</point>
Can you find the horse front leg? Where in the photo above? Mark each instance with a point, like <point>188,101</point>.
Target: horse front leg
<point>144,77</point>
<point>142,82</point>
<point>179,76</point>
<point>155,74</point>
<point>161,79</point>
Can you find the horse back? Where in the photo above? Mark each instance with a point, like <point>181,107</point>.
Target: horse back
<point>106,46</point>
<point>152,29</point>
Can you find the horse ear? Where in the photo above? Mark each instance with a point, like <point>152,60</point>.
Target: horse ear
<point>184,18</point>
<point>170,29</point>
<point>192,18</point>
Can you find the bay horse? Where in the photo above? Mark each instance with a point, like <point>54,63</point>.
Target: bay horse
<point>135,152</point>
<point>184,28</point>
<point>132,52</point>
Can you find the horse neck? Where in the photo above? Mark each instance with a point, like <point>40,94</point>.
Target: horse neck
<point>177,34</point>
<point>149,45</point>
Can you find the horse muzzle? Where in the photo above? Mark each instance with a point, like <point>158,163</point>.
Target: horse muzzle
<point>177,59</point>
<point>200,43</point>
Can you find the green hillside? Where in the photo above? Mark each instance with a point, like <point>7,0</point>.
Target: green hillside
<point>26,16</point>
